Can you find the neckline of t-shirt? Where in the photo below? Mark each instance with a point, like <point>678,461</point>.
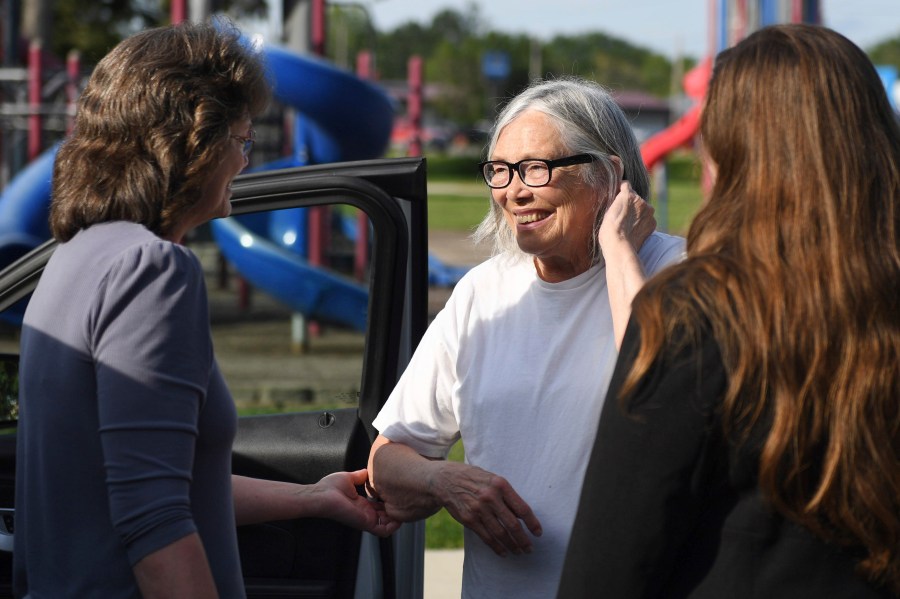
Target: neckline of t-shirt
<point>574,283</point>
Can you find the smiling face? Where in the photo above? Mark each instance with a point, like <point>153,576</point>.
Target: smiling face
<point>216,199</point>
<point>554,223</point>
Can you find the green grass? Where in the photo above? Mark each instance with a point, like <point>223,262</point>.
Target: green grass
<point>455,213</point>
<point>684,200</point>
<point>441,530</point>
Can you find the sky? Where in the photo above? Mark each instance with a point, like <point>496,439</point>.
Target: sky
<point>671,27</point>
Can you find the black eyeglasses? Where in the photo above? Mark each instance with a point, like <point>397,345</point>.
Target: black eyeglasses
<point>534,172</point>
<point>247,142</point>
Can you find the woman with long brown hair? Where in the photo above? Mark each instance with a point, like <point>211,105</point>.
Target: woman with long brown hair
<point>755,447</point>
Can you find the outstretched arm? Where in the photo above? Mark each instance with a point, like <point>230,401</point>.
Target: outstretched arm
<point>414,487</point>
<point>626,225</point>
<point>334,497</point>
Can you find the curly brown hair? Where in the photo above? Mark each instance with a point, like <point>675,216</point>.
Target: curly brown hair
<point>152,124</point>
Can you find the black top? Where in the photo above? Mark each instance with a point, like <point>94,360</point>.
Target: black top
<point>670,509</point>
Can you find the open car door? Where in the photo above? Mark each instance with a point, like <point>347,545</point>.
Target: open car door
<point>310,341</point>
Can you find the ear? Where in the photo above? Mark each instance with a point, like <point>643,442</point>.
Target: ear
<point>620,169</point>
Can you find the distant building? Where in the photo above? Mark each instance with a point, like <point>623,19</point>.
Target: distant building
<point>648,114</point>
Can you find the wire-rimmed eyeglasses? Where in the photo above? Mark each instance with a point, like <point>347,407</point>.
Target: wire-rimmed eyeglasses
<point>246,142</point>
<point>534,172</point>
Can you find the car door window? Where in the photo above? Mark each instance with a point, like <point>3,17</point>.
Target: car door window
<point>288,328</point>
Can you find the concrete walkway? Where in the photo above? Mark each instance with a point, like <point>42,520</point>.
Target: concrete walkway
<point>443,573</point>
<point>457,247</point>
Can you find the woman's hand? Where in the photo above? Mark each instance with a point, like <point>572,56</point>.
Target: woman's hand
<point>628,218</point>
<point>414,487</point>
<point>341,502</point>
<point>488,505</point>
<point>335,497</point>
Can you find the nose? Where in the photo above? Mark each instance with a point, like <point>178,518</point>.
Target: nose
<point>517,191</point>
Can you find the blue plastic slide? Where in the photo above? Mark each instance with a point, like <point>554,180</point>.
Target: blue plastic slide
<point>311,291</point>
<point>340,117</point>
<point>25,208</point>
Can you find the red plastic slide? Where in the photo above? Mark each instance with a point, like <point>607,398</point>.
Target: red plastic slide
<point>681,132</point>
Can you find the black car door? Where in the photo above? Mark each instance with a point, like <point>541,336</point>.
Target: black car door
<point>310,346</point>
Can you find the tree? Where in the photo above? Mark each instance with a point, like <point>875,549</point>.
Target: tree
<point>75,24</point>
<point>886,53</point>
<point>610,61</point>
<point>350,31</point>
<point>93,27</point>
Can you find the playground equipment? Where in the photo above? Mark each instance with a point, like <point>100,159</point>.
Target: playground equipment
<point>730,21</point>
<point>341,118</point>
<point>338,117</point>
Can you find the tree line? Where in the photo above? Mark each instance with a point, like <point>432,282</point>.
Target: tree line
<point>452,47</point>
<point>455,43</point>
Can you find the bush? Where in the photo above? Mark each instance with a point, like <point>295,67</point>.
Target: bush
<point>683,167</point>
<point>451,167</point>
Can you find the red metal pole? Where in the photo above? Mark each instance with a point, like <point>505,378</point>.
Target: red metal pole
<point>35,83</point>
<point>317,215</point>
<point>178,12</point>
<point>364,65</point>
<point>414,104</point>
<point>73,70</point>
<point>740,27</point>
<point>796,11</point>
<point>317,36</point>
<point>316,221</point>
<point>361,248</point>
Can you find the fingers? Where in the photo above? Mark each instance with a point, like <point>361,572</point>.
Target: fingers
<point>523,512</point>
<point>386,529</point>
<point>507,533</point>
<point>628,218</point>
<point>384,525</point>
<point>489,506</point>
<point>359,477</point>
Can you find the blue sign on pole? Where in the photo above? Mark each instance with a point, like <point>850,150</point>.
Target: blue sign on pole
<point>888,76</point>
<point>495,65</point>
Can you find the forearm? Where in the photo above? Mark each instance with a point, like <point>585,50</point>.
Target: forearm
<point>627,224</point>
<point>178,570</point>
<point>624,278</point>
<point>257,500</point>
<point>336,497</point>
<point>403,479</point>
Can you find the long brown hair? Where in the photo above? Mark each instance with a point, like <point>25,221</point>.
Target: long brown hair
<point>151,126</point>
<point>794,262</point>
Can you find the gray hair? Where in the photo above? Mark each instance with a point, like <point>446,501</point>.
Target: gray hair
<point>589,122</point>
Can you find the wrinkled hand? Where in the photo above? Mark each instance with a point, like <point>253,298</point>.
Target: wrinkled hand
<point>488,505</point>
<point>343,503</point>
<point>629,217</point>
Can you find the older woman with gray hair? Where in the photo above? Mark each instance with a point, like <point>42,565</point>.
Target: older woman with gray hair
<point>518,361</point>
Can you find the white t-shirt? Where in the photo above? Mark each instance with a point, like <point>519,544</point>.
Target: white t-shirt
<point>518,368</point>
